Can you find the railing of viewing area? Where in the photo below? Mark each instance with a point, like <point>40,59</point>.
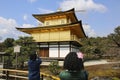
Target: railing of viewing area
<point>20,74</point>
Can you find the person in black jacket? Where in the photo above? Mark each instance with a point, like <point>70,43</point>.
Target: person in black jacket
<point>34,67</point>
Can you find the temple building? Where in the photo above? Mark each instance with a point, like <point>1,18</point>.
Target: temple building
<point>59,33</point>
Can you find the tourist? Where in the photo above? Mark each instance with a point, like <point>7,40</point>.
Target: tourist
<point>34,67</point>
<point>74,68</point>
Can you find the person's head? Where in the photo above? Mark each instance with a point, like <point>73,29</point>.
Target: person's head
<point>72,62</point>
<point>33,56</point>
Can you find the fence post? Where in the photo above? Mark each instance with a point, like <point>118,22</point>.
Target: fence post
<point>41,77</point>
<point>7,75</point>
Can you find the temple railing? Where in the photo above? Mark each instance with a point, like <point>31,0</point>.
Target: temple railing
<point>23,75</point>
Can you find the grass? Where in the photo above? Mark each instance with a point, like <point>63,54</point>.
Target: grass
<point>103,70</point>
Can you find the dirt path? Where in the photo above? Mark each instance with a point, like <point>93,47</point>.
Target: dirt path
<point>97,62</point>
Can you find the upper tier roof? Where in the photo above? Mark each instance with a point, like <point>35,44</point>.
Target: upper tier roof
<point>75,27</point>
<point>69,14</point>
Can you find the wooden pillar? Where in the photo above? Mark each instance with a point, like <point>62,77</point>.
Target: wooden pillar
<point>58,50</point>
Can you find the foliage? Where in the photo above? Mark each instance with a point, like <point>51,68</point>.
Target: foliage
<point>115,37</point>
<point>93,47</point>
<point>9,42</point>
<point>54,67</point>
<point>114,44</point>
<point>7,47</point>
<point>99,47</point>
<point>115,78</point>
<point>27,47</point>
<point>2,47</point>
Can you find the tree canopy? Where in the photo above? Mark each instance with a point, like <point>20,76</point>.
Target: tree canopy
<point>27,47</point>
<point>115,37</point>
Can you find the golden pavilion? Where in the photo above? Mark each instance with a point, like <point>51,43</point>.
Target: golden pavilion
<point>59,33</point>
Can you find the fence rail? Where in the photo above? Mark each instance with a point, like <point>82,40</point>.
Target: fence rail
<point>10,73</point>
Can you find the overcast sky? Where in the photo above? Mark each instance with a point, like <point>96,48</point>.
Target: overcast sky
<point>99,17</point>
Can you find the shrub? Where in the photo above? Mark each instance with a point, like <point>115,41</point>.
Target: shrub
<point>115,78</point>
<point>54,67</point>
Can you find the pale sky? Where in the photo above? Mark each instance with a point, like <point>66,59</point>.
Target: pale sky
<point>99,17</point>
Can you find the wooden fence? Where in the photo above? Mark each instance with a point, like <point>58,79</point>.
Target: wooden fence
<point>20,74</point>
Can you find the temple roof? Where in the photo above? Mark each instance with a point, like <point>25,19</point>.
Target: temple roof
<point>75,27</point>
<point>69,14</point>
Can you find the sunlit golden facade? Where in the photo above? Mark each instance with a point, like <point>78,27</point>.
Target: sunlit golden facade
<point>59,33</point>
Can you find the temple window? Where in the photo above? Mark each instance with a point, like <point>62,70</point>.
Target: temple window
<point>62,21</point>
<point>47,23</point>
